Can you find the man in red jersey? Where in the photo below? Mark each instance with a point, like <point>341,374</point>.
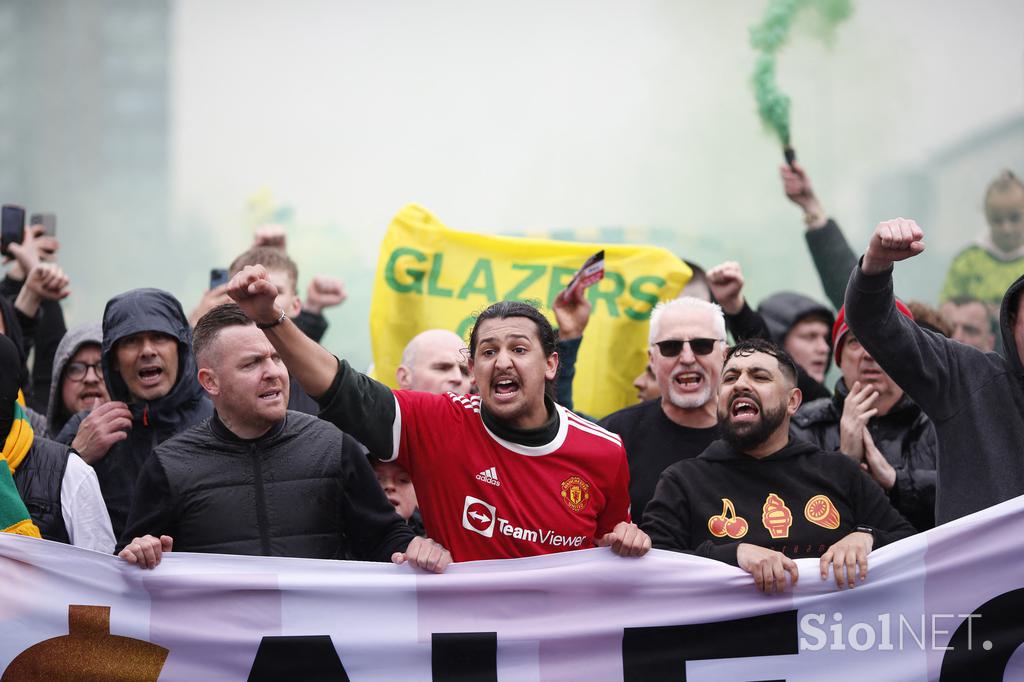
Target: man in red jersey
<point>503,474</point>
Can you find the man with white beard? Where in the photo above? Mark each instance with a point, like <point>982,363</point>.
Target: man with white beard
<point>687,351</point>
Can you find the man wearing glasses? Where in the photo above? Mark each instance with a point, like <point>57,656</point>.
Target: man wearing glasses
<point>687,351</point>
<point>77,376</point>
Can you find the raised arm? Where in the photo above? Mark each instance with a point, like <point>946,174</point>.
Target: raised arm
<point>307,361</point>
<point>743,322</point>
<point>832,255</point>
<point>924,364</point>
<point>352,401</point>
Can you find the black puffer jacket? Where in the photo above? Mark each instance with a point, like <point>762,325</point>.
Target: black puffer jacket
<point>905,435</point>
<point>153,422</point>
<point>305,489</point>
<point>39,480</point>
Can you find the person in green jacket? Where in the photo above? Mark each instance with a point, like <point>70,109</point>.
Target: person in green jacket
<point>987,267</point>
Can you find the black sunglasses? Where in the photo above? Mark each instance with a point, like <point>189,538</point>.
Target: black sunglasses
<point>674,347</point>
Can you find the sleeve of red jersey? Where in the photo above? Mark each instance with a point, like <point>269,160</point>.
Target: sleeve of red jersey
<point>421,422</point>
<point>616,506</point>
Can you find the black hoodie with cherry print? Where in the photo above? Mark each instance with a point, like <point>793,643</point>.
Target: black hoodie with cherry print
<point>799,501</point>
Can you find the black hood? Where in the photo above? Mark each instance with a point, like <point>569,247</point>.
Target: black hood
<point>783,310</point>
<point>152,310</point>
<point>721,451</point>
<point>1006,311</point>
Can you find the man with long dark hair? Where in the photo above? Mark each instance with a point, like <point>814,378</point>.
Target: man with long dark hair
<point>506,473</point>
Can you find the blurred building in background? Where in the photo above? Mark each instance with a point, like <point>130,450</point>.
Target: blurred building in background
<point>85,123</point>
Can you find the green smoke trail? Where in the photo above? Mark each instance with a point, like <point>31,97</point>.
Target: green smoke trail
<point>768,37</point>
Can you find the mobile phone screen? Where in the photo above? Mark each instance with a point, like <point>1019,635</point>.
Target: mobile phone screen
<point>47,220</point>
<point>218,276</point>
<point>12,229</point>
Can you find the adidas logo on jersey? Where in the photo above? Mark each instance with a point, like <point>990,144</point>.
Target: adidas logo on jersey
<point>489,476</point>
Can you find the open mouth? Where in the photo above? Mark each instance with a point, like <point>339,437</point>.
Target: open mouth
<point>270,395</point>
<point>150,376</point>
<point>688,380</point>
<point>505,389</point>
<point>744,409</point>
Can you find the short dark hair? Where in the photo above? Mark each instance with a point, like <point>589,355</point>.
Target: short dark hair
<point>209,326</point>
<point>993,321</point>
<point>527,309</point>
<point>751,346</point>
<point>271,259</point>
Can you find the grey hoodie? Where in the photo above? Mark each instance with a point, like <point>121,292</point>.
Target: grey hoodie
<point>975,399</point>
<point>56,414</point>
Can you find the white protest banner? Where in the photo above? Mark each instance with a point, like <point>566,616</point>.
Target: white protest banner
<point>944,605</point>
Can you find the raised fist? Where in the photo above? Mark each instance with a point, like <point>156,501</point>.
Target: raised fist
<point>48,282</point>
<point>892,240</point>
<point>726,283</point>
<point>255,294</point>
<point>324,292</point>
<point>270,235</point>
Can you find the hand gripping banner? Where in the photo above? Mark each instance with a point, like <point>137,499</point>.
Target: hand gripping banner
<point>429,276</point>
<point>944,605</point>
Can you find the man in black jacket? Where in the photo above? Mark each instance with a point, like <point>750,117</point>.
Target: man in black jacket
<point>151,378</point>
<point>259,479</point>
<point>687,338</point>
<point>782,497</point>
<point>871,420</point>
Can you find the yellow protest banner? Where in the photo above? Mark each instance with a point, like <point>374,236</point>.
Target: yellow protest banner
<point>429,276</point>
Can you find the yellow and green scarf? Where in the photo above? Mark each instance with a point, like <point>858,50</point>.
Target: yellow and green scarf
<point>14,517</point>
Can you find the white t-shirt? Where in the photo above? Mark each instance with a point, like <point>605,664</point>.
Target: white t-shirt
<point>81,504</point>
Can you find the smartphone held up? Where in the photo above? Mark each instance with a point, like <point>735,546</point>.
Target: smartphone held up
<point>12,229</point>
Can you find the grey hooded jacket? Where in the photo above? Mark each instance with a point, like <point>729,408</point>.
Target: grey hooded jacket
<point>57,414</point>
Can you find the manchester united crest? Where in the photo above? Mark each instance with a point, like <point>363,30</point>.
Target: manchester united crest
<point>575,493</point>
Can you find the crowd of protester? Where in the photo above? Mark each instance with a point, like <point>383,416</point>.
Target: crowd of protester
<point>233,430</point>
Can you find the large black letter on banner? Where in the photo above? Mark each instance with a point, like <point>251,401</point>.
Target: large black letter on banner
<point>1001,625</point>
<point>311,659</point>
<point>464,656</point>
<point>660,653</point>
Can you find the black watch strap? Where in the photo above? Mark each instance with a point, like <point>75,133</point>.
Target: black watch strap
<point>276,322</point>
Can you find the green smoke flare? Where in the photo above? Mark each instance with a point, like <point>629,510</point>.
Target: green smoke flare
<point>768,37</point>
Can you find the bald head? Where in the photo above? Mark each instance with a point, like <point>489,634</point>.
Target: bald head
<point>435,361</point>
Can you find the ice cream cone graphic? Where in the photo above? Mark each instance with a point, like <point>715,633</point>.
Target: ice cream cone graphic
<point>821,512</point>
<point>776,516</point>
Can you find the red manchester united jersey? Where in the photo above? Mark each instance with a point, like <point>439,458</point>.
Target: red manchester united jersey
<point>483,497</point>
